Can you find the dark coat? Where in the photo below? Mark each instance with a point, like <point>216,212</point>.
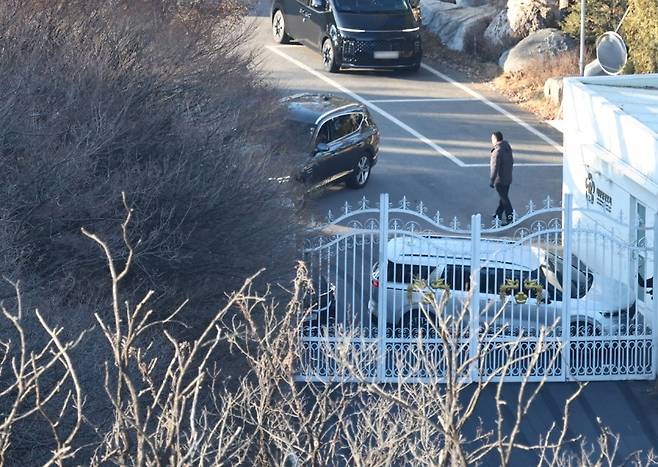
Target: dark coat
<point>501,164</point>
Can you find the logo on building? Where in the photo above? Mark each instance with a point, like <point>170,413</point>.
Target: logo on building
<point>590,188</point>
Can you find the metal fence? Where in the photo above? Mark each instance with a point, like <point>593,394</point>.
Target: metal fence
<point>405,296</point>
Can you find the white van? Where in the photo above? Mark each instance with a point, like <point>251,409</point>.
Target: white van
<point>520,286</point>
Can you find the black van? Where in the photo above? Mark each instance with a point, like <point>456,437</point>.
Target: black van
<point>352,33</point>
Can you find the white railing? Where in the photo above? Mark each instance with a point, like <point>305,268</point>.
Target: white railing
<point>413,298</point>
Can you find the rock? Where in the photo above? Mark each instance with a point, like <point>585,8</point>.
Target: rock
<point>553,90</point>
<point>538,49</point>
<point>470,2</point>
<point>520,18</point>
<point>458,27</point>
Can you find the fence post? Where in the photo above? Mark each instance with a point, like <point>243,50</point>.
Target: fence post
<point>474,312</point>
<point>381,291</point>
<point>654,318</point>
<point>567,251</point>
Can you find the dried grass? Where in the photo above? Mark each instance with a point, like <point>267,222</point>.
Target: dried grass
<point>527,88</point>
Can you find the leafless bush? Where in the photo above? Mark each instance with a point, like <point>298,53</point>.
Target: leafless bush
<point>528,87</point>
<point>169,404</point>
<point>155,98</point>
<point>38,382</point>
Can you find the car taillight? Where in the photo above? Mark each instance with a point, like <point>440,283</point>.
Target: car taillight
<point>375,283</point>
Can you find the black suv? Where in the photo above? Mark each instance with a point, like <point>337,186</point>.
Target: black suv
<point>352,33</point>
<point>338,135</point>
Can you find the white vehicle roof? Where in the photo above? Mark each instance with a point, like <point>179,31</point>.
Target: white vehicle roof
<point>432,251</point>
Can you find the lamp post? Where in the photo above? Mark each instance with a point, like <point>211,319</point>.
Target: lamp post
<point>581,62</point>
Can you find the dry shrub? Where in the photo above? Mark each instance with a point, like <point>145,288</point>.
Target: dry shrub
<point>168,404</point>
<point>156,99</point>
<point>528,87</point>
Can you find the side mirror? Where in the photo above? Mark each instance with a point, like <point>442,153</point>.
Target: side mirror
<point>321,147</point>
<point>319,4</point>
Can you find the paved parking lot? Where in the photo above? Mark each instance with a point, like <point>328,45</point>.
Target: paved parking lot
<point>435,146</point>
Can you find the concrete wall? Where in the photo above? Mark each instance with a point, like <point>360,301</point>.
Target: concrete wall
<point>611,152</point>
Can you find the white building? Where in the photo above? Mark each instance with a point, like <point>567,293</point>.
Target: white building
<point>611,160</point>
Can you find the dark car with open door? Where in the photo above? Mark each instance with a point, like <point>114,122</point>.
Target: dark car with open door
<point>338,136</point>
<point>352,33</point>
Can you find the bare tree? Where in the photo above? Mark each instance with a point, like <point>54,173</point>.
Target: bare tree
<point>38,381</point>
<point>170,403</point>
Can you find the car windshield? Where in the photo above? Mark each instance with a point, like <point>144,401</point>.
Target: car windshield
<point>371,6</point>
<point>581,278</point>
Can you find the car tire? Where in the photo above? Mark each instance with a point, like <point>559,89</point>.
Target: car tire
<point>279,28</point>
<point>361,173</point>
<point>329,56</point>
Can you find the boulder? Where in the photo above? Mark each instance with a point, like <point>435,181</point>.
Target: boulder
<point>538,49</point>
<point>553,90</point>
<point>519,19</point>
<point>471,2</point>
<point>458,27</point>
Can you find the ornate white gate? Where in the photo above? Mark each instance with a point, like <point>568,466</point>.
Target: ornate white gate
<point>406,297</point>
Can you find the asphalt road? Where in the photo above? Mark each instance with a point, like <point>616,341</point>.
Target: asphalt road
<point>435,132</point>
<point>436,128</point>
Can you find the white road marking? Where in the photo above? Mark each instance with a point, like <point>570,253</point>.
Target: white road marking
<point>366,102</point>
<point>493,105</point>
<point>407,128</point>
<point>522,164</point>
<point>438,99</point>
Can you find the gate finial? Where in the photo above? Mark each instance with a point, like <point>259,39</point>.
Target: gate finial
<point>548,202</point>
<point>346,208</point>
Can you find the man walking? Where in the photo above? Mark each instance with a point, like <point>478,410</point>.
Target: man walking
<point>501,164</point>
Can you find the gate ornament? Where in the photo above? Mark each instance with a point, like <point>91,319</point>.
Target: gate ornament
<point>416,284</point>
<point>420,285</point>
<point>521,298</point>
<point>509,286</point>
<point>532,285</point>
<point>440,284</point>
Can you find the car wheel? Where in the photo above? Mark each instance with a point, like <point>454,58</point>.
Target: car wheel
<point>361,173</point>
<point>329,56</point>
<point>279,28</point>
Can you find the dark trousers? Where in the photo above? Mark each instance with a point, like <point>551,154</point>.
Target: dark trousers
<point>504,205</point>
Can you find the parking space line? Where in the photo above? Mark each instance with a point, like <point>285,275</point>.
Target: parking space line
<point>442,151</point>
<point>523,164</point>
<point>493,105</point>
<point>438,99</point>
<point>368,103</point>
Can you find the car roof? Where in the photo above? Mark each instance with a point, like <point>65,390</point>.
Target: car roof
<point>310,107</point>
<point>433,251</point>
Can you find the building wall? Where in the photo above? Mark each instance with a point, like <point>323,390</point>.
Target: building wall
<point>610,165</point>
